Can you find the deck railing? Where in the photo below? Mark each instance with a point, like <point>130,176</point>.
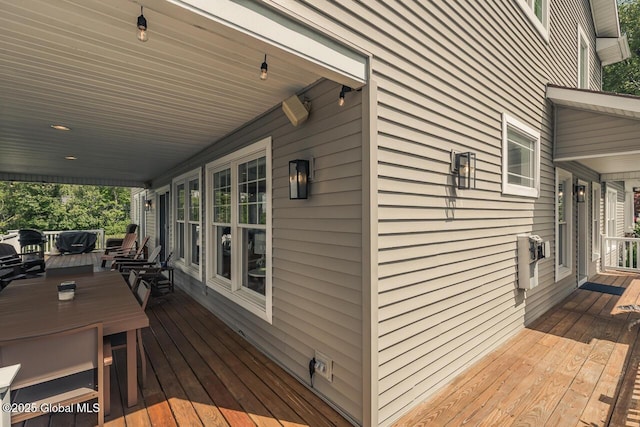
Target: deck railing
<point>620,253</point>
<point>12,238</point>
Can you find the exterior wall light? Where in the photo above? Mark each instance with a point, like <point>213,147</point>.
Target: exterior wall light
<point>463,165</point>
<point>148,205</point>
<point>580,193</point>
<point>298,179</point>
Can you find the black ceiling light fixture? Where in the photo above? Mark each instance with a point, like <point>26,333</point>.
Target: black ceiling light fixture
<point>143,35</point>
<point>264,68</point>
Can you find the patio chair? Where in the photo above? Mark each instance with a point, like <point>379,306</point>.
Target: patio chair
<point>153,273</point>
<point>11,265</point>
<point>62,368</point>
<point>127,247</point>
<point>119,341</point>
<point>124,264</point>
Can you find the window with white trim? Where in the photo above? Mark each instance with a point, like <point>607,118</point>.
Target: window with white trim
<point>610,216</point>
<point>538,13</point>
<point>564,223</point>
<point>583,60</point>
<point>186,190</point>
<point>239,260</point>
<point>596,200</point>
<point>520,158</point>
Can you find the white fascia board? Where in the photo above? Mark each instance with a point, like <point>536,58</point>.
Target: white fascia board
<point>612,49</point>
<point>272,28</point>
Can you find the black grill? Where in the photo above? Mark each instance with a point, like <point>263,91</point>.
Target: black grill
<point>32,244</point>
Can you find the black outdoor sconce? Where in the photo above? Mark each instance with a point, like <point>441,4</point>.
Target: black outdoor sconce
<point>148,204</point>
<point>580,193</point>
<point>298,179</point>
<point>464,166</point>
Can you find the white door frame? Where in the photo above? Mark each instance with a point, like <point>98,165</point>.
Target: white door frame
<point>583,236</point>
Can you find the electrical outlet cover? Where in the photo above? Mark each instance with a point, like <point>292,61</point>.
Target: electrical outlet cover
<point>323,360</point>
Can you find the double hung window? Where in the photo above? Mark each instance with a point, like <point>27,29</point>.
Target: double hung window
<point>596,200</point>
<point>240,227</point>
<point>583,60</point>
<point>564,224</point>
<point>187,221</point>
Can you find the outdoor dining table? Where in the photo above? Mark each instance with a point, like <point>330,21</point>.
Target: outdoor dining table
<point>31,307</point>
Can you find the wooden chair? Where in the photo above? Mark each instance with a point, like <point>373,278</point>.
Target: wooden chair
<point>127,247</point>
<point>154,274</point>
<point>62,368</point>
<point>123,265</point>
<point>132,256</point>
<point>76,270</point>
<point>118,341</point>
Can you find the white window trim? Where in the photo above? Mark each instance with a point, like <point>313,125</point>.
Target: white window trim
<point>596,226</point>
<point>563,271</point>
<point>512,189</point>
<point>541,27</point>
<point>261,307</point>
<point>582,39</point>
<point>611,196</point>
<point>184,264</point>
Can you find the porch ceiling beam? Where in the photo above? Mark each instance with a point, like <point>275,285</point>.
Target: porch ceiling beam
<point>319,53</point>
<point>620,176</point>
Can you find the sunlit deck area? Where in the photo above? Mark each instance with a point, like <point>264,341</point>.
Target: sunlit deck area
<point>200,372</point>
<point>575,366</point>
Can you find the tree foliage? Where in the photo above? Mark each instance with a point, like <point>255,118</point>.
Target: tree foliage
<point>624,77</point>
<point>63,207</point>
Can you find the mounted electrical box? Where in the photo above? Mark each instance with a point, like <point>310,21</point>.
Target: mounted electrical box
<point>531,249</point>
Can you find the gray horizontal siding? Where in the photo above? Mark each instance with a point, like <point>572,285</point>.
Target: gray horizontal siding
<point>317,249</point>
<point>445,73</point>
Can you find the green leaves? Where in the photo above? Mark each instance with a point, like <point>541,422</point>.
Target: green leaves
<point>63,207</point>
<point>624,77</point>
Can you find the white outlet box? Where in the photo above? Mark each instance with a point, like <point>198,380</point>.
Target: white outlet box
<point>324,366</point>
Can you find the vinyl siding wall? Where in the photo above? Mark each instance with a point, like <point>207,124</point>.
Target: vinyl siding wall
<point>446,72</point>
<point>317,250</point>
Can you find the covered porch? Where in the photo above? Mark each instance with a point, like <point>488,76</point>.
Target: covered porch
<point>200,372</point>
<point>576,365</point>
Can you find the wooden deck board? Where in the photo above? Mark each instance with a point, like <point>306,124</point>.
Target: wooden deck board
<point>199,372</point>
<point>577,365</point>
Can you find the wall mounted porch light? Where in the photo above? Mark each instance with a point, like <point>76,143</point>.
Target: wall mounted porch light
<point>298,179</point>
<point>580,193</point>
<point>343,91</point>
<point>463,165</point>
<point>143,35</point>
<point>148,205</point>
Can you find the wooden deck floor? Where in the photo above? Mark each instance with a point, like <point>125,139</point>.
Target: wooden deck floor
<point>200,372</point>
<point>575,366</point>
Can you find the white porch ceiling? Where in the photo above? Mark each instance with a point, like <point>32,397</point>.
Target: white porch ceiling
<point>135,109</point>
<point>602,132</point>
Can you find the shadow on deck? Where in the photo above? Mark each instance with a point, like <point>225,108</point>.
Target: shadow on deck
<point>200,372</point>
<point>575,366</point>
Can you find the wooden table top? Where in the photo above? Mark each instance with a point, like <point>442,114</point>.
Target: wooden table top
<point>31,307</point>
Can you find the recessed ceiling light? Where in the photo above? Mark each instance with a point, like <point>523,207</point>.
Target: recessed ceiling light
<point>71,157</point>
<point>60,127</point>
